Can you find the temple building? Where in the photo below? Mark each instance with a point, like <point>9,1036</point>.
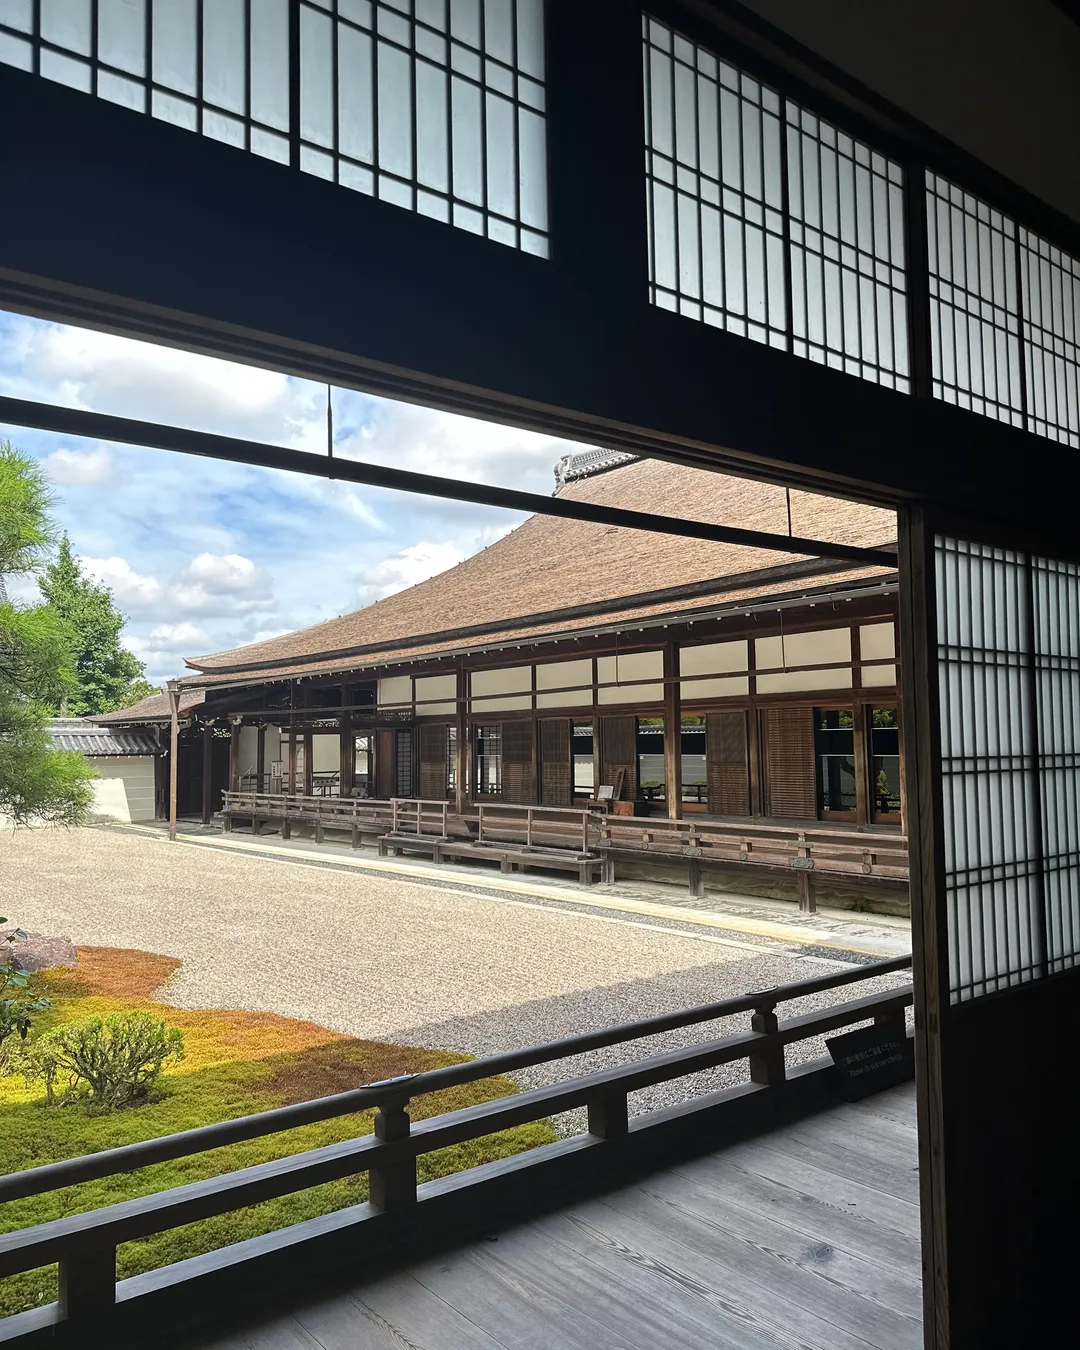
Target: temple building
<point>688,678</point>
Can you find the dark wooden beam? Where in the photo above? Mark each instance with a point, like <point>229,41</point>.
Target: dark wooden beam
<point>156,436</point>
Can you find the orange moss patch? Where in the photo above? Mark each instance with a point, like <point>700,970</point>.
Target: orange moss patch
<point>113,972</point>
<point>108,979</point>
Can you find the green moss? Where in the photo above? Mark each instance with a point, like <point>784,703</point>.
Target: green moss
<point>32,1134</point>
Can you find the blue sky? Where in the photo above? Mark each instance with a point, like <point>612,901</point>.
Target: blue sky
<point>201,555</point>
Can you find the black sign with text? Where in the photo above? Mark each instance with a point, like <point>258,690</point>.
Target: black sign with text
<point>872,1058</point>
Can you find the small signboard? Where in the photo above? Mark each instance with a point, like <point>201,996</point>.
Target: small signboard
<point>871,1058</point>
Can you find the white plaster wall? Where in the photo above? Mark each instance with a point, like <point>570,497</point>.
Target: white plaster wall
<point>124,787</point>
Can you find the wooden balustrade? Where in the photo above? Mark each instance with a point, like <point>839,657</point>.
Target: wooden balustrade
<point>84,1244</point>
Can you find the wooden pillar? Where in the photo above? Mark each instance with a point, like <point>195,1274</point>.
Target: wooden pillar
<point>309,781</point>
<point>234,757</point>
<point>347,756</point>
<point>207,772</point>
<point>260,757</point>
<point>291,780</point>
<point>753,740</point>
<point>672,732</point>
<point>306,786</point>
<point>461,724</point>
<point>860,717</point>
<point>174,754</point>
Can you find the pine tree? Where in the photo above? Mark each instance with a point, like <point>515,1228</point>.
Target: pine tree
<point>37,784</point>
<point>105,671</point>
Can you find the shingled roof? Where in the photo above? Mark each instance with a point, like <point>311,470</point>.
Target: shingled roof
<point>539,579</point>
<point>154,708</point>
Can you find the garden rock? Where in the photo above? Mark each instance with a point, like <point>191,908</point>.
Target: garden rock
<point>36,951</point>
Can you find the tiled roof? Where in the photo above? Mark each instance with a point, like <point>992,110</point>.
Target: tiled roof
<point>73,733</point>
<point>549,563</point>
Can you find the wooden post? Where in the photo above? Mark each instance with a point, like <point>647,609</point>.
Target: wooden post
<point>234,757</point>
<point>309,781</point>
<point>392,1185</point>
<point>672,732</point>
<point>260,757</point>
<point>174,752</point>
<point>292,761</point>
<point>768,1067</point>
<point>207,774</point>
<point>807,902</point>
<point>346,744</point>
<point>461,724</point>
<point>608,1116</point>
<point>860,714</point>
<point>88,1292</point>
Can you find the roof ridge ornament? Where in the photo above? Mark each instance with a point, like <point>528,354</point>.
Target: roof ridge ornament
<point>586,463</point>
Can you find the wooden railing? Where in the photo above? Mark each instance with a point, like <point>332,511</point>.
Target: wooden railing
<point>356,814</point>
<point>85,1244</point>
<point>536,826</point>
<point>413,815</point>
<point>809,853</point>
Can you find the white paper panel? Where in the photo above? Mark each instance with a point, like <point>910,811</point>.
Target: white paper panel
<point>818,648</point>
<point>804,681</point>
<point>877,641</point>
<point>714,658</point>
<point>395,691</point>
<point>506,680</point>
<point>734,686</point>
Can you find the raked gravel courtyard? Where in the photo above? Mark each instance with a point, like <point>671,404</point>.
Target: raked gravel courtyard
<point>380,957</point>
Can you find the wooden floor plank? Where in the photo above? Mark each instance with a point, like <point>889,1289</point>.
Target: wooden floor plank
<point>625,1295</point>
<point>509,1302</point>
<point>794,1295</point>
<point>897,1289</point>
<point>279,1334</point>
<point>896,1104</point>
<point>842,1213</point>
<point>393,1314</point>
<point>879,1172</point>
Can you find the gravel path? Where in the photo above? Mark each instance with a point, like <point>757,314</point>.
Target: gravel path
<point>383,958</point>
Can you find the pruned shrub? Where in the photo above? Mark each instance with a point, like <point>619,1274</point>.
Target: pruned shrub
<point>109,1063</point>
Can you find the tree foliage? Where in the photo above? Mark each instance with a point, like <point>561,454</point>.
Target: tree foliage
<point>106,673</point>
<point>37,783</point>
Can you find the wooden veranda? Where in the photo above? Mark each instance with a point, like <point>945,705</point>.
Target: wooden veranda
<point>591,843</point>
<point>807,1237</point>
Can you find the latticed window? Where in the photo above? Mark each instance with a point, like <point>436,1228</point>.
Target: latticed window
<point>435,105</point>
<point>769,221</point>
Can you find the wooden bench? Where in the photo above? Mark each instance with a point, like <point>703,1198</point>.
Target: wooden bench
<point>509,856</point>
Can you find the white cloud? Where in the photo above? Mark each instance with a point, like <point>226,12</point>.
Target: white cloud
<point>222,584</point>
<point>448,445</point>
<point>100,371</point>
<point>79,466</point>
<point>177,637</point>
<point>227,574</point>
<point>405,568</point>
<point>132,590</point>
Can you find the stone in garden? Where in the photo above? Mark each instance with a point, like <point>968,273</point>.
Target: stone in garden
<point>36,951</point>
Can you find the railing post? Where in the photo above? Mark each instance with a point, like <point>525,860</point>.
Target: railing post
<point>608,1116</point>
<point>528,827</point>
<point>88,1288</point>
<point>767,1067</point>
<point>392,1185</point>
